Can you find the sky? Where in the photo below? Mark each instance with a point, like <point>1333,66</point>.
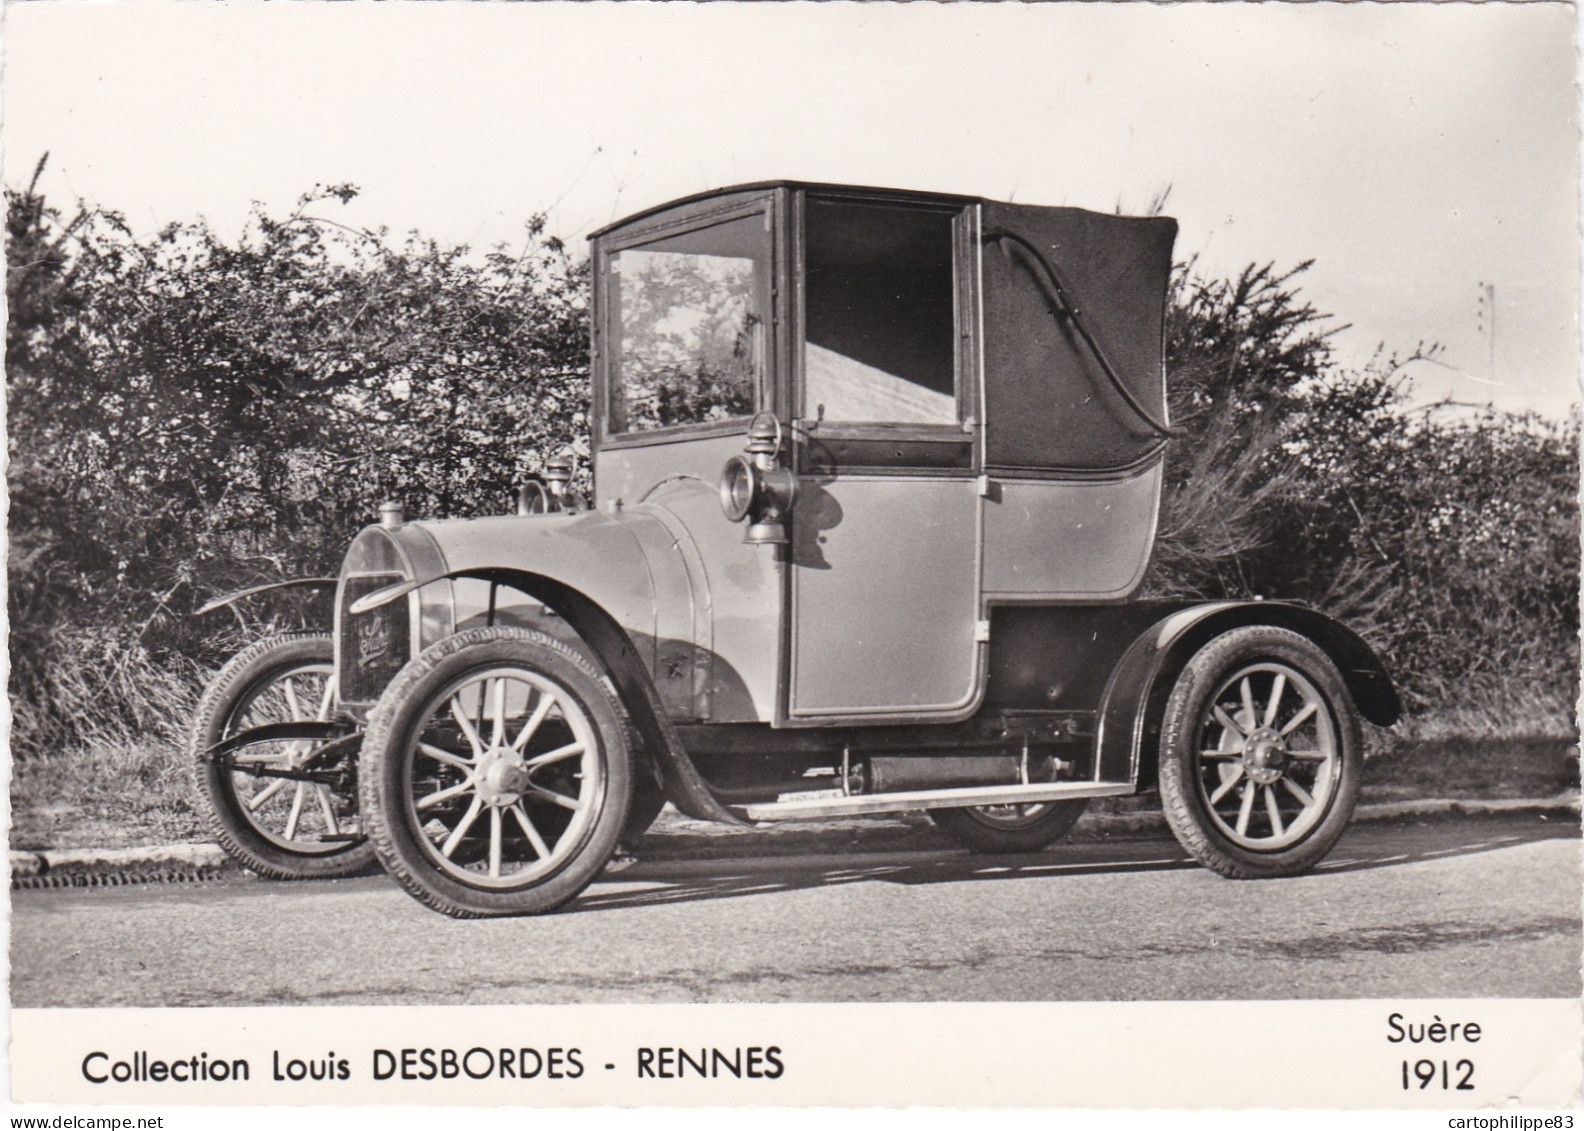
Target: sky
<point>1419,153</point>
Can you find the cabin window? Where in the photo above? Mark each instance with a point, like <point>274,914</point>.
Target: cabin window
<point>879,314</point>
<point>689,327</point>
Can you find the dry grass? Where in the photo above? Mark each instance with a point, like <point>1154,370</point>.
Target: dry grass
<point>98,762</point>
<point>90,689</point>
<point>110,795</point>
<point>1514,710</point>
<point>1484,767</point>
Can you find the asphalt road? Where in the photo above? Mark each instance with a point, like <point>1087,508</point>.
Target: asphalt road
<point>1461,908</point>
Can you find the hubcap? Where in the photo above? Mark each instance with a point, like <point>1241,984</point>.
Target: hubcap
<point>1264,755</point>
<point>502,777</point>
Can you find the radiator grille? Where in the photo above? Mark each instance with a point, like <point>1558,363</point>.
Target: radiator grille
<point>373,644</point>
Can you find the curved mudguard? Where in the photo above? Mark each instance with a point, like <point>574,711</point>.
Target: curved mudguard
<point>684,787</point>
<point>307,730</point>
<point>1128,730</point>
<point>231,598</point>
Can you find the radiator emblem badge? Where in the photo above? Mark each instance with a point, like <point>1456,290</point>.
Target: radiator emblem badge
<point>373,640</point>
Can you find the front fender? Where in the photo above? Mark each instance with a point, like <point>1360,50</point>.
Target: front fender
<point>600,556</point>
<point>231,598</point>
<point>596,553</point>
<point>1128,733</point>
<point>602,575</point>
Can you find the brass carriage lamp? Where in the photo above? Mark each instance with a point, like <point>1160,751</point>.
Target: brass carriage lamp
<point>756,487</point>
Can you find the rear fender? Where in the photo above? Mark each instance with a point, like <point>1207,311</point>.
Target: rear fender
<point>1128,733</point>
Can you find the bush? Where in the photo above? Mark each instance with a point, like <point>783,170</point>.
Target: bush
<point>1448,538</point>
<point>189,415</point>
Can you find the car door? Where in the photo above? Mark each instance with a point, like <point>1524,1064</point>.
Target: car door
<point>884,614</point>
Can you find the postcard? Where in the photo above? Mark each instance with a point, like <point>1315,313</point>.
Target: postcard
<point>782,556</point>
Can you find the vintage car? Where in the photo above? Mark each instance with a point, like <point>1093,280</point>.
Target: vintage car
<point>876,474</point>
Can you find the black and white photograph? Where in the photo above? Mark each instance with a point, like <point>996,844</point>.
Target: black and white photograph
<point>633,554</point>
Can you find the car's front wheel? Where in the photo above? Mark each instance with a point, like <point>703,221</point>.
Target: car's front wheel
<point>286,828</point>
<point>1261,754</point>
<point>496,775</point>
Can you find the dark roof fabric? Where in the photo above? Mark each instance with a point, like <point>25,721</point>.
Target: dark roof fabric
<point>1050,404</point>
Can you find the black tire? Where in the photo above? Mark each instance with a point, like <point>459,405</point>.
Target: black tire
<point>484,724</point>
<point>1010,828</point>
<point>274,680</point>
<point>1261,755</point>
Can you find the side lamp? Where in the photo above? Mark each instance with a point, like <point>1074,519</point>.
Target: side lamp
<point>754,485</point>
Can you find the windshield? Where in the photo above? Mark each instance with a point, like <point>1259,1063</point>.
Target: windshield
<point>689,327</point>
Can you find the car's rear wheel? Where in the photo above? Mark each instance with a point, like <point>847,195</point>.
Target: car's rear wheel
<point>496,774</point>
<point>1261,754</point>
<point>282,828</point>
<point>1027,827</point>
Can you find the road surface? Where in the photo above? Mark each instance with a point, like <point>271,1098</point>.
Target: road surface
<point>1461,908</point>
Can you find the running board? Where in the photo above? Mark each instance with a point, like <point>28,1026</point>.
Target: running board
<point>838,806</point>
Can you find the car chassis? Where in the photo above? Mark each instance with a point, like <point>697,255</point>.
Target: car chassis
<point>876,478</point>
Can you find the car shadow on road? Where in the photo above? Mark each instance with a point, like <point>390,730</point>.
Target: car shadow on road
<point>688,881</point>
